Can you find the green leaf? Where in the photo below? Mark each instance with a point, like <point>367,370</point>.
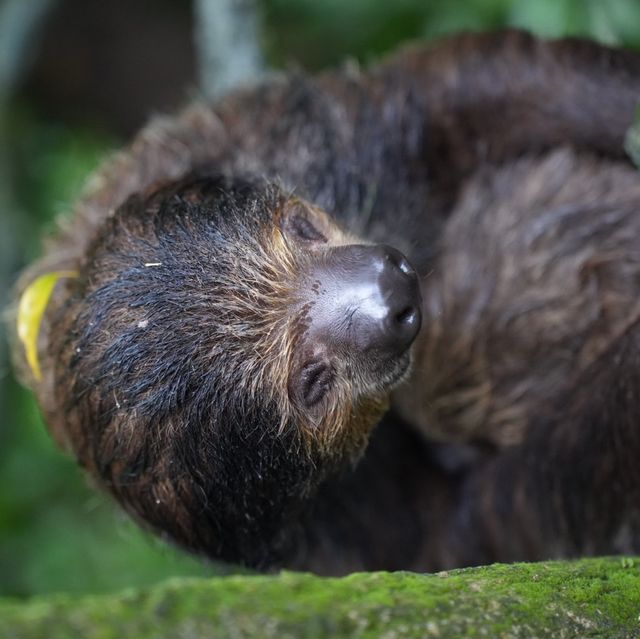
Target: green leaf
<point>632,140</point>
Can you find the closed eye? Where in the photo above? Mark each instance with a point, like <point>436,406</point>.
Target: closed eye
<point>315,381</point>
<point>302,228</point>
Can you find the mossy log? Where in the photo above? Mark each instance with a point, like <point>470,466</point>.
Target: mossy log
<point>586,598</point>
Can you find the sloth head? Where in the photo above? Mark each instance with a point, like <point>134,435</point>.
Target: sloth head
<point>224,347</point>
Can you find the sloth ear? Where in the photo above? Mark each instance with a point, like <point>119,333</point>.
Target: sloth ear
<point>303,222</point>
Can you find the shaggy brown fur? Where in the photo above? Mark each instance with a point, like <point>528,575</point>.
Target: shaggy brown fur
<point>495,162</point>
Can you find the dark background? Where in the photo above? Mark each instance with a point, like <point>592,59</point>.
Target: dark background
<point>92,74</point>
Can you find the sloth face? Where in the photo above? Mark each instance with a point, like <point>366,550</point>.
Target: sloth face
<point>357,311</point>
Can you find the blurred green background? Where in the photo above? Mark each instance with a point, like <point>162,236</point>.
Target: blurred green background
<point>91,74</point>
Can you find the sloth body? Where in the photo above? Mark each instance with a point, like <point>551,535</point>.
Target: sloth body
<point>207,370</point>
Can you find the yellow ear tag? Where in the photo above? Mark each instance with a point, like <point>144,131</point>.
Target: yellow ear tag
<point>33,303</point>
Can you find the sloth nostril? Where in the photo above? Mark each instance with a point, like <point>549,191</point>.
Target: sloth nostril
<point>405,267</point>
<point>406,315</point>
<point>399,261</point>
<point>395,262</point>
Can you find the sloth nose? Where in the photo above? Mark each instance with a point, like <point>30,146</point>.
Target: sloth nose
<point>391,318</point>
<point>373,302</point>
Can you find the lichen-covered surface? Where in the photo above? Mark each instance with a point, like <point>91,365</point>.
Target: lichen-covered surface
<point>587,598</point>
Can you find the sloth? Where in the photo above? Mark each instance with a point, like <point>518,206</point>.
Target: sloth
<point>381,319</point>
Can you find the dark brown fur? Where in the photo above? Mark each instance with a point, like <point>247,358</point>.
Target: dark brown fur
<point>496,164</point>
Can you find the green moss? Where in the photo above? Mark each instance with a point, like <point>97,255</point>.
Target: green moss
<point>592,597</point>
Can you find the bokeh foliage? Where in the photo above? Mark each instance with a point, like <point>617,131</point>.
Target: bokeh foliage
<point>55,533</point>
